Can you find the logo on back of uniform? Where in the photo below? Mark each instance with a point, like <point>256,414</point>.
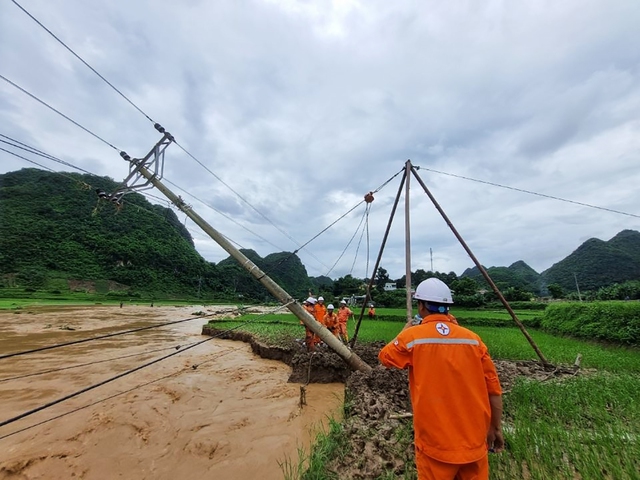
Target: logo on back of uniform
<point>442,328</point>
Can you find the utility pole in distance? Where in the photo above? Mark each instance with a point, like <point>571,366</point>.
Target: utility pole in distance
<point>577,286</point>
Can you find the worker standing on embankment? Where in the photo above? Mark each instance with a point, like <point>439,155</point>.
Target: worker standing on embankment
<point>344,313</point>
<point>310,338</point>
<point>455,390</point>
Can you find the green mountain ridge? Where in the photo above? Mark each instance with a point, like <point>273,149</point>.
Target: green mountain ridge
<point>54,231</point>
<point>594,264</point>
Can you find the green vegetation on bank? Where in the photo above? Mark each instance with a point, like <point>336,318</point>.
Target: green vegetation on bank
<point>617,322</point>
<point>584,427</point>
<point>504,343</point>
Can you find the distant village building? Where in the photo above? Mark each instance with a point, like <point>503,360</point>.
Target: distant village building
<point>390,286</point>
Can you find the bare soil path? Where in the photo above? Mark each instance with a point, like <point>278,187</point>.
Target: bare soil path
<point>234,416</point>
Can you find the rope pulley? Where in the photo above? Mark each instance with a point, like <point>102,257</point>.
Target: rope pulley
<point>368,197</point>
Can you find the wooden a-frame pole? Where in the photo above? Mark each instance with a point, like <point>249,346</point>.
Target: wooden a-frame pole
<point>482,269</point>
<point>351,359</point>
<point>354,339</point>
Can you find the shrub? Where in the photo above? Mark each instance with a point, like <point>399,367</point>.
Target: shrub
<point>612,321</point>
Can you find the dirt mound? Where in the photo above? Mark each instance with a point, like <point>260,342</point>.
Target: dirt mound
<point>325,366</point>
<point>378,419</point>
<point>377,437</point>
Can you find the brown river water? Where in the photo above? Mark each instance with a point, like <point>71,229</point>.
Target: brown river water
<point>234,416</point>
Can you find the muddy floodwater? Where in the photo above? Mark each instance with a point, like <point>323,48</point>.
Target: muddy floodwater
<point>214,411</point>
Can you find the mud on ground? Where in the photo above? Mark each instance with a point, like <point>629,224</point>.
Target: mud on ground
<point>377,424</point>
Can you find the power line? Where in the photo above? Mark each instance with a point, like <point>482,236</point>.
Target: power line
<point>102,400</point>
<point>83,61</point>
<point>55,370</point>
<point>530,192</point>
<point>236,193</point>
<point>58,112</point>
<point>123,374</point>
<point>99,337</point>
<point>99,384</point>
<point>156,125</point>
<point>142,112</point>
<point>223,214</point>
<point>27,160</point>
<point>35,151</point>
<point>364,214</point>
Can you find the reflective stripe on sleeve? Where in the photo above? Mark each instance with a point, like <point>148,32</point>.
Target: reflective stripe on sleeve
<point>447,341</point>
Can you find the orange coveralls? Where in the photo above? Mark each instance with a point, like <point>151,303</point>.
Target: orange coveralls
<point>344,313</point>
<point>451,376</point>
<point>319,312</point>
<point>330,321</point>
<point>310,338</point>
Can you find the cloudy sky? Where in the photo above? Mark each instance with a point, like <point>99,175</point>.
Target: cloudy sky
<point>299,108</point>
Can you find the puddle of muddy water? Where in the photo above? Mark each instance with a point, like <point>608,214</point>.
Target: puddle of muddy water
<point>234,416</point>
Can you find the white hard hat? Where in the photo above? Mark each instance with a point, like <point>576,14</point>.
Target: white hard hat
<point>320,299</point>
<point>311,300</point>
<point>330,306</point>
<point>342,302</point>
<point>433,290</point>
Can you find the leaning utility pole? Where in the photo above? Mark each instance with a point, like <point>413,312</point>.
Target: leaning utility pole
<point>138,170</point>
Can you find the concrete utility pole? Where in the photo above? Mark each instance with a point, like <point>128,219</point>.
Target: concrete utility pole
<point>353,360</point>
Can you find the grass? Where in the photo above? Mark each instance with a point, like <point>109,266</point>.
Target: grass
<point>503,343</point>
<point>509,343</point>
<point>583,427</point>
<point>587,426</point>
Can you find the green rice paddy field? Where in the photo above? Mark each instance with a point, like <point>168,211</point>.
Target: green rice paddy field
<point>582,427</point>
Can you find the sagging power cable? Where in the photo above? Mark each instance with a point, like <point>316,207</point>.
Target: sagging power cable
<point>100,337</point>
<point>34,151</point>
<point>364,215</point>
<point>128,372</point>
<point>337,220</point>
<point>55,370</point>
<point>529,192</point>
<point>224,215</point>
<point>28,160</point>
<point>59,112</point>
<point>156,125</point>
<point>364,230</point>
<point>83,61</point>
<point>102,400</point>
<point>99,384</point>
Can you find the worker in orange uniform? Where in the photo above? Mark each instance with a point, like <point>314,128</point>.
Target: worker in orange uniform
<point>372,311</point>
<point>320,310</point>
<point>455,390</point>
<point>310,339</point>
<point>344,313</point>
<point>330,320</point>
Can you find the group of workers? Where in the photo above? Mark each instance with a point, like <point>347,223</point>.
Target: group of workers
<point>335,321</point>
